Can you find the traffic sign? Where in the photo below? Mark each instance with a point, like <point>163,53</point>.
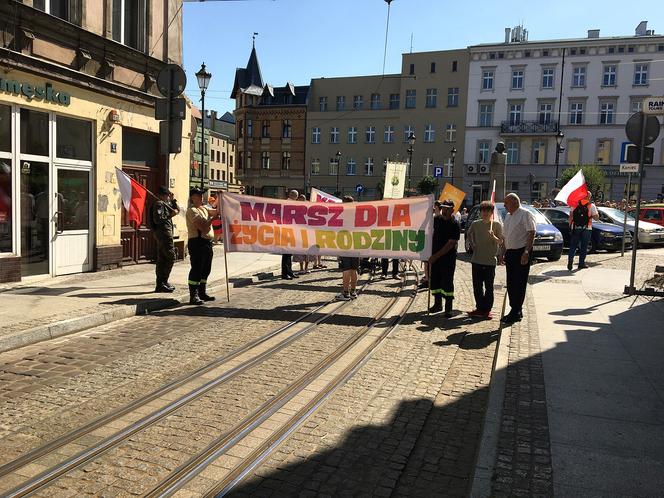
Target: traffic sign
<point>623,151</point>
<point>437,171</point>
<point>171,81</point>
<point>634,128</point>
<point>629,168</point>
<point>653,105</point>
<point>359,188</point>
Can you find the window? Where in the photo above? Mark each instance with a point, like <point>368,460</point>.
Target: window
<point>129,22</point>
<point>576,113</point>
<point>265,129</point>
<point>640,74</point>
<point>450,133</point>
<point>334,135</point>
<point>369,166</point>
<point>410,99</point>
<point>408,130</point>
<point>315,135</point>
<point>352,135</point>
<point>486,115</point>
<point>545,112</point>
<point>432,96</point>
<point>539,152</point>
<point>606,113</point>
<point>609,75</point>
<point>73,139</point>
<point>427,166</point>
<point>250,128</point>
<point>487,79</point>
<point>287,128</point>
<point>69,10</point>
<point>512,152</point>
<point>322,104</point>
<point>334,166</point>
<point>285,160</point>
<point>453,97</point>
<point>411,69</point>
<point>514,186</point>
<point>394,100</point>
<point>34,133</point>
<point>5,179</point>
<point>370,134</point>
<point>223,175</point>
<point>603,151</point>
<point>388,136</point>
<point>636,104</point>
<point>351,167</point>
<point>433,67</point>
<point>515,114</point>
<point>579,77</point>
<point>315,167</point>
<point>483,152</point>
<point>375,101</point>
<point>341,103</point>
<point>358,102</point>
<point>265,160</point>
<point>517,79</point>
<point>548,74</point>
<point>455,66</point>
<point>429,133</point>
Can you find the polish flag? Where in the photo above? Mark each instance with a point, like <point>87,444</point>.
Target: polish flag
<point>573,191</point>
<point>320,196</point>
<point>133,195</point>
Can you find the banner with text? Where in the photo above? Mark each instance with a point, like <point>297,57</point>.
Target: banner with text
<point>320,196</point>
<point>396,228</point>
<point>395,180</point>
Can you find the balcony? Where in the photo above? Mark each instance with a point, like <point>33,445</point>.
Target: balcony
<point>530,128</point>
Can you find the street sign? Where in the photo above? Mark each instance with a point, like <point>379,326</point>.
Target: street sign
<point>629,168</point>
<point>359,188</point>
<point>653,105</point>
<point>171,80</point>
<point>178,109</point>
<point>437,171</point>
<point>623,151</point>
<point>634,128</point>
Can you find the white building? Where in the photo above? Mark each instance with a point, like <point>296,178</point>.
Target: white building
<point>514,91</point>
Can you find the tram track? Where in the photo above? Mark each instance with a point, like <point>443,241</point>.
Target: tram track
<point>44,479</point>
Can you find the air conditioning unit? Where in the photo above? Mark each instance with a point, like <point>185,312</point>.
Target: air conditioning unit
<point>472,168</point>
<point>484,168</point>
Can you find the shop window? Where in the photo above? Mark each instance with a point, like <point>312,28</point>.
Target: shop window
<point>73,139</point>
<point>34,133</point>
<point>129,23</point>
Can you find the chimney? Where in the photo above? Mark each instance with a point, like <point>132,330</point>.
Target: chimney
<point>593,33</point>
<point>508,31</point>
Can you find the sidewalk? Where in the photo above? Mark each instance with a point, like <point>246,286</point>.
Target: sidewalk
<point>603,361</point>
<point>34,311</point>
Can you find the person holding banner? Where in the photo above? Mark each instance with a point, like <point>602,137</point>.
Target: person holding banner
<point>442,264</point>
<point>287,259</point>
<point>199,230</point>
<point>349,266</point>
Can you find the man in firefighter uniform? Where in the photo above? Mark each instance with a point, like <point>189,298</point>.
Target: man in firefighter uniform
<point>446,234</point>
<point>200,234</point>
<point>162,213</point>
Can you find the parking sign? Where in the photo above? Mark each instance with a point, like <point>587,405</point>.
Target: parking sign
<point>437,171</point>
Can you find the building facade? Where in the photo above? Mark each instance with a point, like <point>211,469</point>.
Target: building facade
<point>270,130</point>
<point>222,152</point>
<point>516,96</point>
<point>365,121</point>
<point>77,93</point>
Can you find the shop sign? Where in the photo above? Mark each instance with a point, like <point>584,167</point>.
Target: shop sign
<point>46,93</point>
<point>218,184</point>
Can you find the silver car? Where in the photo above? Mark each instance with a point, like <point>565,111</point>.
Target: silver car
<point>649,233</point>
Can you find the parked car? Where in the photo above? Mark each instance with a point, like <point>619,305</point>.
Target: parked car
<point>548,239</point>
<point>649,233</point>
<point>652,213</point>
<point>605,236</point>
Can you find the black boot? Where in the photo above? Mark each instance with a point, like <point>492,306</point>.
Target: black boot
<point>162,287</point>
<point>448,307</point>
<point>437,304</point>
<point>202,294</point>
<point>193,295</point>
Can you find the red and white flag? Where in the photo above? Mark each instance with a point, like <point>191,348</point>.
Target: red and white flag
<point>133,195</point>
<point>320,196</point>
<point>573,191</point>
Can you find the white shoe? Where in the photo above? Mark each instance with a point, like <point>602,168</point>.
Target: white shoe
<point>343,297</point>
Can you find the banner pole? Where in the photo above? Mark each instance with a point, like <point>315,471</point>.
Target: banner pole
<point>429,289</point>
<point>223,245</point>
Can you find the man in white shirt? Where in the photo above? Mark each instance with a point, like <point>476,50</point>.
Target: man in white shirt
<point>519,234</point>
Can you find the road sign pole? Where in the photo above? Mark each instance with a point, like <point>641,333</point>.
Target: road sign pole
<point>635,238</point>
<point>629,188</point>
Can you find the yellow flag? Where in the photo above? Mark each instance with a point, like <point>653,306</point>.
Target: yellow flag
<point>455,194</point>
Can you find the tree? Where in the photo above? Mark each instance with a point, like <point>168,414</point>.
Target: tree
<point>427,185</point>
<point>594,177</point>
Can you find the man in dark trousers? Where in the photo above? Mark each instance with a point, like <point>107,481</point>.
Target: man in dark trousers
<point>442,264</point>
<point>287,259</point>
<point>161,215</point>
<point>200,233</point>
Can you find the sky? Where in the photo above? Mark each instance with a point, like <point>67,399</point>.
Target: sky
<point>303,39</point>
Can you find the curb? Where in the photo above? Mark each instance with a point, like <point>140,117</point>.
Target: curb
<point>78,324</point>
<point>486,454</point>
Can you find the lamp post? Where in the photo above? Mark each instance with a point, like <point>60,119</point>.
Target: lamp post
<point>338,156</point>
<point>559,148</point>
<point>411,142</point>
<point>453,155</point>
<point>203,78</point>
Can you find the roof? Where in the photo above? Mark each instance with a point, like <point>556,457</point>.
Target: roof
<point>248,78</point>
<point>603,39</point>
<point>228,118</point>
<point>195,112</point>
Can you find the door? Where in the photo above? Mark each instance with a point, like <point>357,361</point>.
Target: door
<point>72,238</point>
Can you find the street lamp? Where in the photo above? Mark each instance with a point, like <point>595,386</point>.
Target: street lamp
<point>203,78</point>
<point>338,156</point>
<point>411,142</point>
<point>559,148</point>
<point>453,155</point>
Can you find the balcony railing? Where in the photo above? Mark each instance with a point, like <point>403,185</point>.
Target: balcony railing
<point>528,128</point>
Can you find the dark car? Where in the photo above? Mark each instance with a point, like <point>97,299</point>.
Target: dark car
<point>604,237</point>
<point>548,239</point>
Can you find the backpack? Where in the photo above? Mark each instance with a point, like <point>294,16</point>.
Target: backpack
<point>580,216</point>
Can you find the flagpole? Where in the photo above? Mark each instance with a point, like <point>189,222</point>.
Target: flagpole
<point>228,292</point>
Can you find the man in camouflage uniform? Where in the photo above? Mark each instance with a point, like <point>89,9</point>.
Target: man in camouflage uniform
<point>162,214</point>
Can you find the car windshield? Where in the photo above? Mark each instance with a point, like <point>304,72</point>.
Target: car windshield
<point>617,214</point>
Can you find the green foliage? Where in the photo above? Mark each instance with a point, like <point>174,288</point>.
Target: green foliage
<point>593,174</point>
<point>427,185</point>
